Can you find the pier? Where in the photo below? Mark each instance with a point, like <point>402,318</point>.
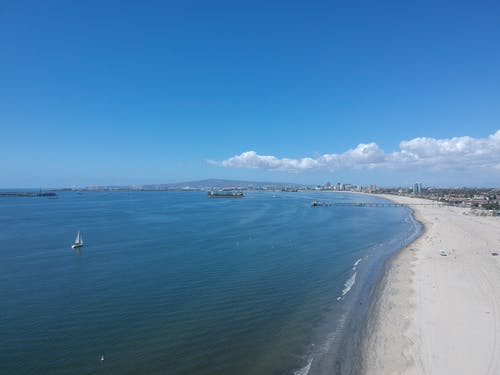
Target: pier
<point>368,204</point>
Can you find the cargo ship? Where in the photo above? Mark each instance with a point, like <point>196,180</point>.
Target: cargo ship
<point>225,194</point>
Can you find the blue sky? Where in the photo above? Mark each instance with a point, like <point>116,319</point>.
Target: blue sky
<point>103,92</point>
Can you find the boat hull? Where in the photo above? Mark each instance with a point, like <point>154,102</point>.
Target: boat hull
<point>76,245</point>
<point>231,194</point>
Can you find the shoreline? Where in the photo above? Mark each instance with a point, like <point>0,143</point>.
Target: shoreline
<point>344,354</point>
<point>434,314</point>
<point>379,353</point>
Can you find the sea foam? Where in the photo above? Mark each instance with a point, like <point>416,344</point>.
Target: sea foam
<point>351,281</point>
<point>304,370</point>
<point>348,284</point>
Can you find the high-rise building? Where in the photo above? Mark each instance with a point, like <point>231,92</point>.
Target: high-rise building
<point>417,188</point>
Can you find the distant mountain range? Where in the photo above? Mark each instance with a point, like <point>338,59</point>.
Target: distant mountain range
<point>207,184</point>
<point>220,184</point>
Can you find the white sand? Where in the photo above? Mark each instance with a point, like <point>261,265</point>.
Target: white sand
<point>440,314</point>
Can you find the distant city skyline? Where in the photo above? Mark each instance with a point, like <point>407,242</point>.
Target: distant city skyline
<point>124,93</point>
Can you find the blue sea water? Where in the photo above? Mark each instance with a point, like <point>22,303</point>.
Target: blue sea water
<point>177,283</point>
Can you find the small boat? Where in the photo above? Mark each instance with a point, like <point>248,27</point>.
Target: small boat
<point>78,241</point>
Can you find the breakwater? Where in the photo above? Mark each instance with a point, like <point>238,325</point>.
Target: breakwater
<point>27,194</point>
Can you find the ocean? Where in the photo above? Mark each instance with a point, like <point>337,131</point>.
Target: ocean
<point>178,283</point>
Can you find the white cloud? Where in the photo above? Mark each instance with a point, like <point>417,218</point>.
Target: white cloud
<point>448,153</point>
<point>251,159</point>
<point>458,152</point>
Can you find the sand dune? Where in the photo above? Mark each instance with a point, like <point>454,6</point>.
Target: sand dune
<point>440,314</point>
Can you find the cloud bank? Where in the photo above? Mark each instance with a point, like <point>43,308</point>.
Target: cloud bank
<point>438,154</point>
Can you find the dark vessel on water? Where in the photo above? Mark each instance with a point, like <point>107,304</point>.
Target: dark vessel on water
<point>225,194</point>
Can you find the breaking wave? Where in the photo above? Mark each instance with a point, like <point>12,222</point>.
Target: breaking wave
<point>304,370</point>
<point>351,281</point>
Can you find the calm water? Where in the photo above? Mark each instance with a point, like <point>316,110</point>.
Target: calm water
<point>176,283</point>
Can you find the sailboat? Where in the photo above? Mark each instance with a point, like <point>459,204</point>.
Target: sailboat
<point>78,241</point>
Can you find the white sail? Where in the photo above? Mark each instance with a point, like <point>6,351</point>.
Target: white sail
<point>78,241</point>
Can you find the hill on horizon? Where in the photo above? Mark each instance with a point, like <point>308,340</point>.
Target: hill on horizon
<point>222,183</point>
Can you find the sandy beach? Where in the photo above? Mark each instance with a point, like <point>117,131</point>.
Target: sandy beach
<point>438,314</point>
